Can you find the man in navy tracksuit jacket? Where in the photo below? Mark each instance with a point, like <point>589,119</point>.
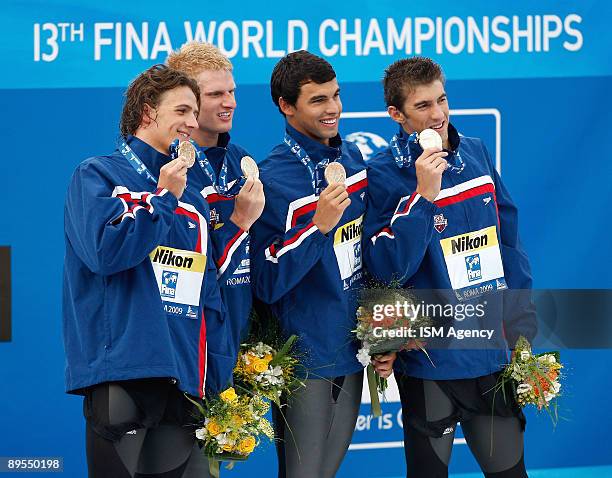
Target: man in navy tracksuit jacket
<point>442,221</point>
<point>235,203</point>
<point>307,263</point>
<point>143,319</point>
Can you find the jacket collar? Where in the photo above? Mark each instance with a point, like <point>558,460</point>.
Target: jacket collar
<point>317,151</point>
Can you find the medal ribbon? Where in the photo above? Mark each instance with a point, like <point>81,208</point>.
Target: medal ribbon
<point>398,151</point>
<point>135,162</point>
<point>316,172</point>
<point>403,154</point>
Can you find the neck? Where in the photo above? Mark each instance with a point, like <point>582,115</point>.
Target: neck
<point>205,138</point>
<point>324,141</point>
<point>146,136</point>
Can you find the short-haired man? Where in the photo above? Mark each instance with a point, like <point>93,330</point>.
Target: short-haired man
<point>307,263</point>
<point>141,304</point>
<point>441,220</point>
<point>235,203</point>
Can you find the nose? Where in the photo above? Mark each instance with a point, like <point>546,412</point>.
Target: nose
<point>333,107</point>
<point>229,101</point>
<point>192,121</point>
<point>438,113</point>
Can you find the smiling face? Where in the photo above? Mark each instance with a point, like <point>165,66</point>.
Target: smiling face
<point>316,111</point>
<point>217,105</point>
<point>424,107</point>
<point>174,117</point>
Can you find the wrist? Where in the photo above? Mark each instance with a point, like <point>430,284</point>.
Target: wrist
<point>240,221</point>
<point>426,195</point>
<point>320,227</point>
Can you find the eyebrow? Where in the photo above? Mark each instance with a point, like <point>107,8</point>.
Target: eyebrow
<point>214,92</point>
<point>188,108</point>
<point>427,102</point>
<point>322,97</point>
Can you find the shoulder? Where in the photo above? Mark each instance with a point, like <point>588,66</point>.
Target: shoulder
<point>383,165</point>
<point>103,166</point>
<point>278,163</point>
<point>476,152</point>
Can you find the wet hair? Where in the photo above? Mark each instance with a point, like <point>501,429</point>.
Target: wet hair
<point>297,69</point>
<point>195,57</point>
<point>147,89</point>
<point>403,76</point>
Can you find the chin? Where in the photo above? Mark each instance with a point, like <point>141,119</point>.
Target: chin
<point>327,134</point>
<point>224,128</point>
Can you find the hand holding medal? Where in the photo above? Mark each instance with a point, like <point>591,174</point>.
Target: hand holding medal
<point>430,164</point>
<point>334,199</point>
<point>251,200</point>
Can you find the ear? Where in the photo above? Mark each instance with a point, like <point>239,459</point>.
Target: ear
<point>396,115</point>
<point>148,116</point>
<point>287,109</point>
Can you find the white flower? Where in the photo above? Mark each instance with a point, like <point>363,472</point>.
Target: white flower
<point>525,355</point>
<point>262,349</point>
<point>200,433</point>
<point>556,387</point>
<point>552,359</point>
<point>549,396</point>
<point>222,439</point>
<point>363,355</point>
<point>523,388</point>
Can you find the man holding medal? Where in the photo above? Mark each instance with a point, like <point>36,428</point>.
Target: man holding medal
<point>143,319</point>
<point>307,263</point>
<point>441,222</point>
<point>226,176</point>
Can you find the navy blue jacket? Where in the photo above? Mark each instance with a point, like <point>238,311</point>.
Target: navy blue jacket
<point>309,278</point>
<point>230,244</point>
<point>127,244</point>
<point>466,243</point>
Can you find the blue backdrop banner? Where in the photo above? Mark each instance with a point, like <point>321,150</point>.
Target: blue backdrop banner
<point>532,79</point>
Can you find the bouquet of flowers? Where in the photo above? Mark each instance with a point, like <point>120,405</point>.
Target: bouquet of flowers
<point>263,371</point>
<point>230,427</point>
<point>382,326</point>
<point>534,378</point>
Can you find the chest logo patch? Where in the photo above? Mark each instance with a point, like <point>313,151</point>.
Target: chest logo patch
<point>214,218</point>
<point>440,222</point>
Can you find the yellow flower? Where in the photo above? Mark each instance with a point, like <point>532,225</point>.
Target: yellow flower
<point>213,428</point>
<point>268,358</point>
<point>247,445</point>
<point>260,366</point>
<point>237,420</point>
<point>229,395</point>
<point>228,447</point>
